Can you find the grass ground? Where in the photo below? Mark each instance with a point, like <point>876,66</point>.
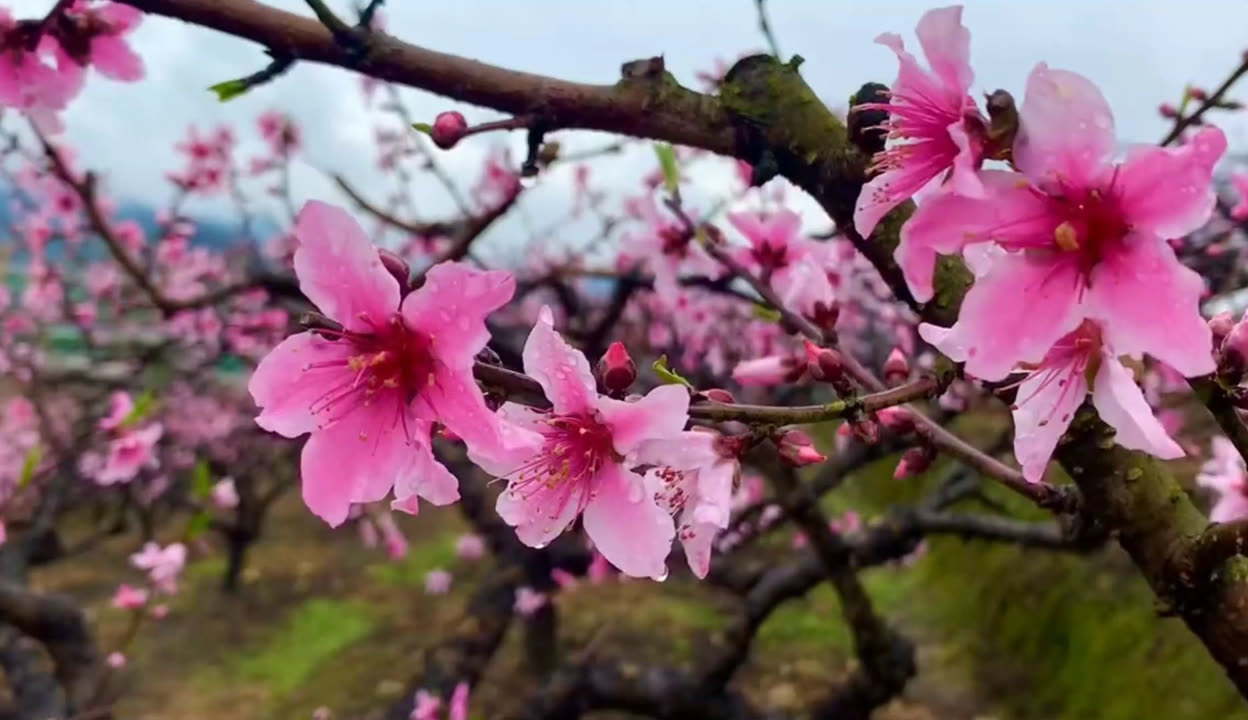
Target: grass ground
<point>322,621</point>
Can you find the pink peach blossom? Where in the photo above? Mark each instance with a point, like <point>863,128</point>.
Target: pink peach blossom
<point>99,40</point>
<point>668,250</point>
<point>470,547</point>
<point>163,565</point>
<point>693,478</point>
<point>458,709</point>
<point>119,408</point>
<point>29,84</point>
<point>437,582</point>
<point>1080,238</point>
<point>224,494</point>
<point>129,454</point>
<point>933,122</point>
<point>572,460</point>
<point>529,601</point>
<point>369,394</point>
<point>1224,473</point>
<point>1056,387</point>
<point>770,370</point>
<point>129,598</point>
<point>794,265</point>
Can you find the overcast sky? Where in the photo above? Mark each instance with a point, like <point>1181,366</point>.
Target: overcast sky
<point>1140,53</point>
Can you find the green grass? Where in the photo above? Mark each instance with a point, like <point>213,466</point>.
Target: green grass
<point>1047,636</point>
<point>315,632</point>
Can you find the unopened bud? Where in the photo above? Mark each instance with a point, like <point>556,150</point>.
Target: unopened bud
<point>1233,360</point>
<point>616,370</point>
<point>866,430</point>
<point>1168,111</point>
<point>897,419</point>
<point>1197,93</point>
<point>397,267</point>
<point>896,368</point>
<point>770,370</point>
<point>448,129</point>
<point>719,395</point>
<point>828,365</point>
<point>914,461</point>
<point>1221,325</point>
<point>796,449</point>
<point>731,446</point>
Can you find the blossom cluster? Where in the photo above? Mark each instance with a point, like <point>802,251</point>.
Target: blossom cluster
<point>1068,244</point>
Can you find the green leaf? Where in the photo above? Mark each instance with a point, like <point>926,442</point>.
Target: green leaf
<point>230,89</point>
<point>200,522</point>
<point>425,128</point>
<point>33,456</point>
<point>201,480</point>
<point>142,408</point>
<point>667,161</point>
<point>762,312</point>
<point>666,374</point>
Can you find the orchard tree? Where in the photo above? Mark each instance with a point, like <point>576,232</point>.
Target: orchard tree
<point>590,406</point>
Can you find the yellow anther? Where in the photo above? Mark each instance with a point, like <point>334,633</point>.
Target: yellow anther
<point>1066,237</point>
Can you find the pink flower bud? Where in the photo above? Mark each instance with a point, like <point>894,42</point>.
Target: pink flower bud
<point>116,660</point>
<point>897,419</point>
<point>397,267</point>
<point>866,430</point>
<point>719,395</point>
<point>528,601</point>
<point>896,368</point>
<point>766,371</point>
<point>616,369</point>
<point>1221,326</point>
<point>129,598</point>
<point>1234,358</point>
<point>914,461</point>
<point>448,129</point>
<point>1168,111</point>
<point>470,547</point>
<point>796,449</point>
<point>1197,93</point>
<point>437,582</point>
<point>824,363</point>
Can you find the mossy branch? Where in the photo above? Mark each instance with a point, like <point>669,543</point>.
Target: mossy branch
<point>1155,521</point>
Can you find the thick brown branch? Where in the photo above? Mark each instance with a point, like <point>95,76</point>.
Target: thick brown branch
<point>664,112</point>
<point>1137,500</point>
<point>61,627</point>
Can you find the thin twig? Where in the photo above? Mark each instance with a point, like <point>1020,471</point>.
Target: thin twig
<point>1186,121</point>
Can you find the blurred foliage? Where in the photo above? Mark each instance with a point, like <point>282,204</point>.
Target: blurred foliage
<point>1046,636</point>
<point>316,631</point>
